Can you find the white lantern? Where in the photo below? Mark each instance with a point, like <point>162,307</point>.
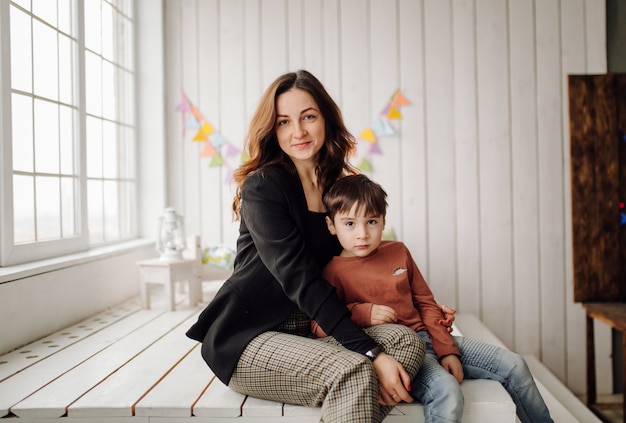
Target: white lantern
<point>171,235</point>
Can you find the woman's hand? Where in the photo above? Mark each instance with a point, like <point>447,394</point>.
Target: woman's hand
<point>382,314</point>
<point>394,380</point>
<point>448,317</point>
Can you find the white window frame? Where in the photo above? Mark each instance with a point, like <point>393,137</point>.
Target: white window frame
<point>10,253</point>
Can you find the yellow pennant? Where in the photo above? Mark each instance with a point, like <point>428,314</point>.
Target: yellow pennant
<point>200,136</point>
<point>207,128</point>
<point>368,135</point>
<point>394,113</point>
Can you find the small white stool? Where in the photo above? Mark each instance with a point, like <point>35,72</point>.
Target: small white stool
<point>167,273</point>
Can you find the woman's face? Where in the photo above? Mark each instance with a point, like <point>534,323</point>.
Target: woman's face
<point>300,126</point>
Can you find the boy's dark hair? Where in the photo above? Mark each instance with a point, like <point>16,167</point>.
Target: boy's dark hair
<point>351,189</point>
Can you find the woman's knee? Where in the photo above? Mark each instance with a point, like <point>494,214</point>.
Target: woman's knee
<point>352,392</point>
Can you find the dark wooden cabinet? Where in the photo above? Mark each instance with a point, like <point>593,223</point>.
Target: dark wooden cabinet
<point>597,109</point>
<point>597,119</point>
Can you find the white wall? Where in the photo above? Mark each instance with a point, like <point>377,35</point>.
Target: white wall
<point>65,292</point>
<point>478,169</point>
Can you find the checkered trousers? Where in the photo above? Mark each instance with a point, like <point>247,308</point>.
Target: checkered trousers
<point>295,369</point>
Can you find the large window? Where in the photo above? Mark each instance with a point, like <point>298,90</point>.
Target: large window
<point>68,126</point>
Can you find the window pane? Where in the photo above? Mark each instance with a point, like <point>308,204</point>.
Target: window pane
<point>109,150</point>
<point>23,208</point>
<point>94,147</point>
<point>46,10</point>
<point>108,37</point>
<point>22,123</point>
<point>127,153</point>
<point>46,137</point>
<point>127,209</point>
<point>94,198</point>
<point>126,103</point>
<point>126,7</point>
<point>93,27</point>
<point>68,207</point>
<point>67,128</point>
<point>93,84</point>
<point>21,49</point>
<point>66,17</point>
<point>24,3</point>
<point>46,67</point>
<point>67,65</point>
<point>48,207</point>
<point>128,47</point>
<point>109,93</point>
<point>58,132</point>
<point>111,205</point>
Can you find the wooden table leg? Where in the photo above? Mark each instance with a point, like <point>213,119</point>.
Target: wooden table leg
<point>623,376</point>
<point>591,364</point>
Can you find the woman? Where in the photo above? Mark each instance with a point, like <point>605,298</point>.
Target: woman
<point>255,333</point>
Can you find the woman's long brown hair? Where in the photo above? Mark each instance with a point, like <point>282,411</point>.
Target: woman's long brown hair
<point>262,145</point>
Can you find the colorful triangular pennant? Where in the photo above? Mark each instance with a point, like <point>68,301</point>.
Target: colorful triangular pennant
<point>399,100</point>
<point>216,160</point>
<point>208,150</point>
<point>368,135</point>
<point>200,136</point>
<point>394,113</point>
<point>382,128</point>
<point>365,166</point>
<point>374,149</point>
<point>191,123</point>
<point>217,139</point>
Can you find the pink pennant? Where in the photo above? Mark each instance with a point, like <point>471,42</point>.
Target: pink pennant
<point>399,99</point>
<point>231,150</point>
<point>374,149</point>
<point>208,150</point>
<point>229,174</point>
<point>197,114</point>
<point>385,109</point>
<point>183,106</point>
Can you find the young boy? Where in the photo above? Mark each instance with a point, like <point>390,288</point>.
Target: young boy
<point>380,283</point>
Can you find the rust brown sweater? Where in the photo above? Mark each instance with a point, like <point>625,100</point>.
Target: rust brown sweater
<point>389,276</point>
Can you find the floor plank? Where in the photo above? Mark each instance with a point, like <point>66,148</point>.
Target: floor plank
<point>22,358</point>
<point>118,394</point>
<point>219,401</point>
<point>176,394</point>
<point>45,372</point>
<point>72,380</point>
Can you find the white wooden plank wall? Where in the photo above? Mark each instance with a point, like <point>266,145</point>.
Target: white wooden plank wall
<point>478,170</point>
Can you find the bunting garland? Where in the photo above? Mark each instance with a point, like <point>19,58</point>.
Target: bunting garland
<point>381,127</point>
<point>216,146</point>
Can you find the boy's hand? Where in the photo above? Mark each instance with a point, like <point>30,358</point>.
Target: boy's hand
<point>448,314</point>
<point>382,314</point>
<point>452,364</point>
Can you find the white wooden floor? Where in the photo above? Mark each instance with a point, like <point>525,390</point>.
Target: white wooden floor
<point>133,365</point>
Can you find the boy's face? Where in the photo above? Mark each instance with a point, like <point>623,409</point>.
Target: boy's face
<point>358,234</point>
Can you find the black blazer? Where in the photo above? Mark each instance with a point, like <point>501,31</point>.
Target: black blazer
<point>275,272</point>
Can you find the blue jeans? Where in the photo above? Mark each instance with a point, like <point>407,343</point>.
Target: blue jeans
<point>441,394</point>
